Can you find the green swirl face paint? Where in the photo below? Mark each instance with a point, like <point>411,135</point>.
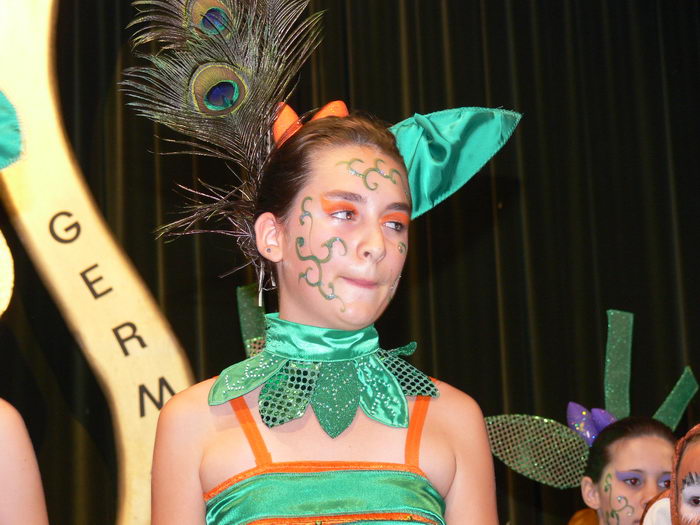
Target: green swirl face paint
<point>393,174</point>
<point>327,290</point>
<point>402,247</point>
<point>616,505</point>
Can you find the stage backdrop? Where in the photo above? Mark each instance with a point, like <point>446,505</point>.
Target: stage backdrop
<point>592,205</point>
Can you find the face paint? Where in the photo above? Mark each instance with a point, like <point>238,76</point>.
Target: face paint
<point>370,185</point>
<point>329,292</point>
<point>618,505</point>
<point>639,468</point>
<point>690,499</point>
<point>344,241</point>
<point>397,220</point>
<point>689,480</point>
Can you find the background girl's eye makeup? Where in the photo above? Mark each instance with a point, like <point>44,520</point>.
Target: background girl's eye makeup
<point>664,481</point>
<point>691,498</point>
<point>633,479</point>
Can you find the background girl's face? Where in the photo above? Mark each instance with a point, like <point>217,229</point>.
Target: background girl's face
<point>639,469</point>
<point>344,242</point>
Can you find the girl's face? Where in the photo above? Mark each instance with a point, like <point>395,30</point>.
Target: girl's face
<point>689,485</point>
<point>345,240</point>
<point>639,469</point>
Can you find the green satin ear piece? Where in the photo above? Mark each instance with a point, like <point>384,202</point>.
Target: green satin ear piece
<point>443,150</point>
<point>618,357</point>
<point>676,402</point>
<point>252,318</point>
<point>10,137</point>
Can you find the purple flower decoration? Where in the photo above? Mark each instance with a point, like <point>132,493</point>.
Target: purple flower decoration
<point>587,423</point>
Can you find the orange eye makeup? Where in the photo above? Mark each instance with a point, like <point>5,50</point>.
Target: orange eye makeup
<point>334,206</point>
<point>396,216</point>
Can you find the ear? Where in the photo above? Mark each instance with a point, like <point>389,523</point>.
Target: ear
<point>589,493</point>
<point>269,236</point>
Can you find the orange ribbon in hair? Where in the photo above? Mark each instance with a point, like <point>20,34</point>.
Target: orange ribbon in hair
<point>287,122</point>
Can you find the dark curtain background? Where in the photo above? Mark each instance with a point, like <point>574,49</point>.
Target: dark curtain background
<point>592,205</point>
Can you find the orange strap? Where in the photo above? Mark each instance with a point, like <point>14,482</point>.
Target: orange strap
<point>252,434</point>
<point>415,430</point>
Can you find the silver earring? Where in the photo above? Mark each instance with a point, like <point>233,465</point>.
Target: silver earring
<point>261,277</point>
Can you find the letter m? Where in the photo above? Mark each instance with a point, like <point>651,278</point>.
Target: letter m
<point>144,393</point>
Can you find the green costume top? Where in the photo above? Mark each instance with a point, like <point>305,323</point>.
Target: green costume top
<point>336,372</point>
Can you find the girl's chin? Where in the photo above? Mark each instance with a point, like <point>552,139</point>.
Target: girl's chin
<point>356,317</point>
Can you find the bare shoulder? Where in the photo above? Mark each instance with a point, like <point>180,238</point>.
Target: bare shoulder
<point>12,427</point>
<point>456,410</point>
<point>9,417</point>
<point>187,415</point>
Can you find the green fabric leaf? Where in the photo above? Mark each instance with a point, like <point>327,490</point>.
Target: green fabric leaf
<point>244,376</point>
<point>618,357</point>
<point>413,382</point>
<point>336,396</point>
<point>541,449</point>
<point>252,318</point>
<point>286,394</point>
<point>676,402</point>
<point>382,398</point>
<point>443,150</point>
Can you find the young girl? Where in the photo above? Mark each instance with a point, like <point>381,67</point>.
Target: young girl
<point>332,222</point>
<point>322,426</point>
<point>629,464</point>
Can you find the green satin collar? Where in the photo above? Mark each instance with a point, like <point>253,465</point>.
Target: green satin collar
<point>311,343</point>
<point>334,371</point>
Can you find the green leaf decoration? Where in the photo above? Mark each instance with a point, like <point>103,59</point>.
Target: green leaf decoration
<point>413,382</point>
<point>676,402</point>
<point>542,449</point>
<point>618,356</point>
<point>252,318</point>
<point>286,394</point>
<point>244,376</point>
<point>336,396</point>
<point>382,398</point>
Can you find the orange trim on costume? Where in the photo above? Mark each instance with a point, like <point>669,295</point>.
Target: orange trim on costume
<point>305,467</point>
<point>252,434</point>
<point>287,122</point>
<point>415,430</point>
<point>350,518</point>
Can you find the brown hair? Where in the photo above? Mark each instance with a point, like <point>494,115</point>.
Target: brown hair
<point>288,166</point>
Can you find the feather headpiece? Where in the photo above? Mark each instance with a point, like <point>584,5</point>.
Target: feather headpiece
<point>221,69</point>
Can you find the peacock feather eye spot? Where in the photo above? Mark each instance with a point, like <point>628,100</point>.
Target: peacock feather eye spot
<point>217,89</point>
<point>222,96</point>
<point>214,21</point>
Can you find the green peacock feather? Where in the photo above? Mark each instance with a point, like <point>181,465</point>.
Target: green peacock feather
<point>218,73</point>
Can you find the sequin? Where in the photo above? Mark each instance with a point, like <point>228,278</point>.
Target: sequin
<point>333,371</point>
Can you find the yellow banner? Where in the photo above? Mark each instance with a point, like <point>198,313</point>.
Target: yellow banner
<point>110,312</point>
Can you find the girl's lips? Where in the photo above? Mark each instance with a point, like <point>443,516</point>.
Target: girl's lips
<point>362,283</point>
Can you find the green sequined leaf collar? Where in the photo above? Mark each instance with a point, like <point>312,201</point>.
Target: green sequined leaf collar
<point>334,371</point>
